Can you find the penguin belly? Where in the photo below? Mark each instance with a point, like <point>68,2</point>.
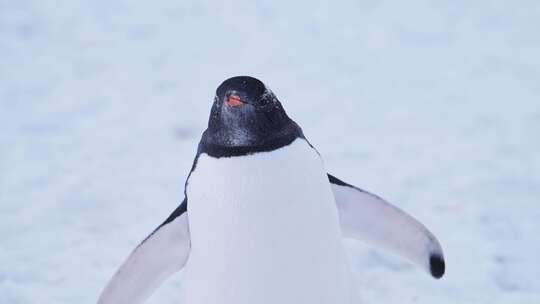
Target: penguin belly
<point>264,229</point>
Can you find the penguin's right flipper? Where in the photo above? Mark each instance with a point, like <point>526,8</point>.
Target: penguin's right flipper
<point>164,252</point>
<point>367,217</point>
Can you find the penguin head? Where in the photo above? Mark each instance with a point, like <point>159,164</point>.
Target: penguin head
<point>238,91</point>
<point>246,113</point>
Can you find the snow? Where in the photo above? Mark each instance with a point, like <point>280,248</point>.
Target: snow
<point>432,105</point>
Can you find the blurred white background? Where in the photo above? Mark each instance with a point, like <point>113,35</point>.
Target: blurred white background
<point>433,105</point>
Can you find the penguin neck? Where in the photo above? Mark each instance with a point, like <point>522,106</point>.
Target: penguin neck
<point>228,142</point>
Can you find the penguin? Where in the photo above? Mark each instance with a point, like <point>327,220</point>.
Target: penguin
<point>261,220</point>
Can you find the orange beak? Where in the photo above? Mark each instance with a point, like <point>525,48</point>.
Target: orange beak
<point>234,101</point>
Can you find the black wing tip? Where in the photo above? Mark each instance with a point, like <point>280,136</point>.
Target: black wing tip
<point>436,265</point>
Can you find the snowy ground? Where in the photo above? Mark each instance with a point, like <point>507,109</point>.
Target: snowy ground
<point>433,105</point>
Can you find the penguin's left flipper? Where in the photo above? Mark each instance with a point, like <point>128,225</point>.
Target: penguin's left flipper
<point>367,217</point>
<point>164,252</point>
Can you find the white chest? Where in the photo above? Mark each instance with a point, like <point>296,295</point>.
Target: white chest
<point>264,229</point>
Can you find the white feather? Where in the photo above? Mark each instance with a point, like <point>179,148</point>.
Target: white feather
<point>264,229</point>
<point>162,254</point>
<point>369,218</point>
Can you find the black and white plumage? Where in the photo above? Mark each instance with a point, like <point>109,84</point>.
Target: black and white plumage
<point>262,221</point>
